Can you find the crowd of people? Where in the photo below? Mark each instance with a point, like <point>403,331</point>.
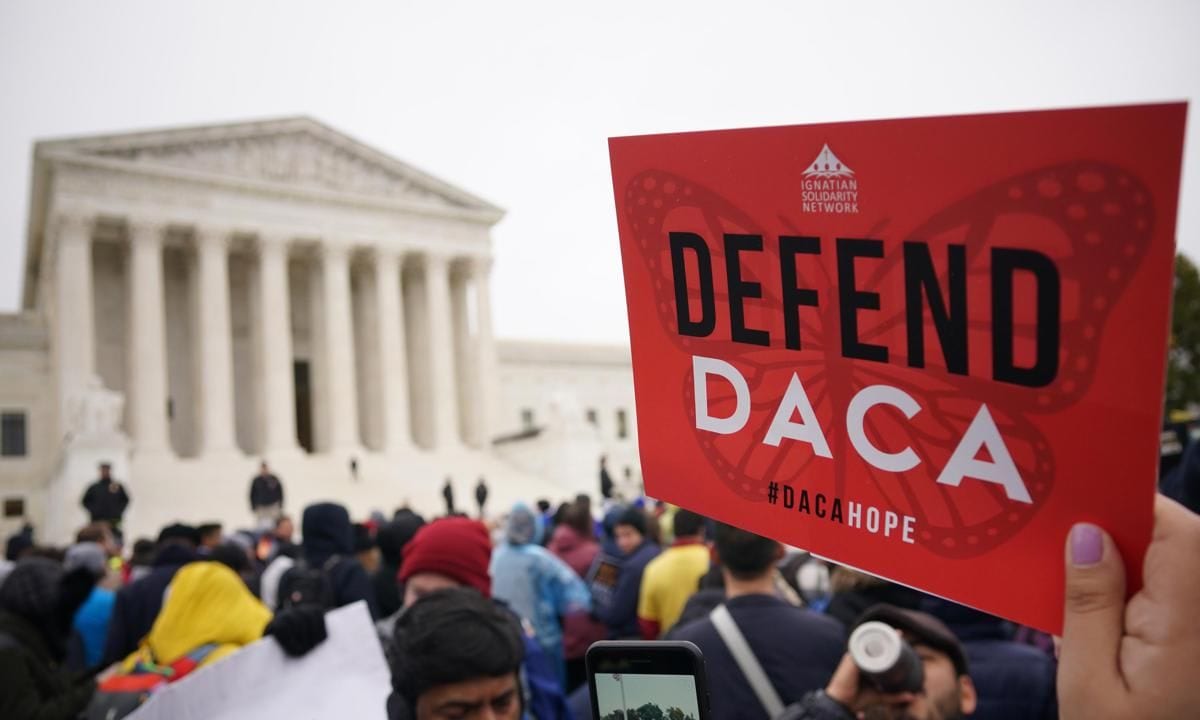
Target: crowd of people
<point>491,617</point>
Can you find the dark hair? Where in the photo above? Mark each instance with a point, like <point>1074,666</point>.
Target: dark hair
<point>232,556</point>
<point>578,518</point>
<point>543,505</point>
<point>687,523</point>
<point>206,529</point>
<point>178,533</point>
<point>634,518</point>
<point>143,552</point>
<point>96,532</point>
<point>363,540</point>
<point>745,555</point>
<point>452,636</point>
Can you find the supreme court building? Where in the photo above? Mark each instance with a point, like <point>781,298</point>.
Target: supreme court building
<point>198,299</point>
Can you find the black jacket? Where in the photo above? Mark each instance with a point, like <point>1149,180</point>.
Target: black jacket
<point>387,589</point>
<point>328,532</point>
<point>137,604</point>
<point>33,686</point>
<point>265,490</point>
<point>105,502</point>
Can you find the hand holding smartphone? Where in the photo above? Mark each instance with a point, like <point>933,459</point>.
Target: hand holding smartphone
<point>629,679</point>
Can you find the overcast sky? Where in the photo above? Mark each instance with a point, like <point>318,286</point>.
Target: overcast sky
<point>514,101</point>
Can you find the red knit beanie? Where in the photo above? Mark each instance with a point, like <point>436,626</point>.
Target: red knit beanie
<point>456,547</point>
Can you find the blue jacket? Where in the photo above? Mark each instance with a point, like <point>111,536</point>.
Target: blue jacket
<point>538,587</point>
<point>91,622</point>
<point>621,615</point>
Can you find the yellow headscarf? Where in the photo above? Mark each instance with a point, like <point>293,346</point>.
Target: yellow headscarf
<point>206,602</point>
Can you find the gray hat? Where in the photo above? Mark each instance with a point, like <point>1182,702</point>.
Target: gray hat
<point>86,555</point>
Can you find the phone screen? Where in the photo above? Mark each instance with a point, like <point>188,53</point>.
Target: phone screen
<point>622,696</point>
<point>638,680</point>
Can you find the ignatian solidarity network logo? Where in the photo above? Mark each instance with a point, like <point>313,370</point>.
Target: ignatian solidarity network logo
<point>829,185</point>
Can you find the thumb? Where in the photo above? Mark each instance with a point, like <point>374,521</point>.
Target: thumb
<point>1093,619</point>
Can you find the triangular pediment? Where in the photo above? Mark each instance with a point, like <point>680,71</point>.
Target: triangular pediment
<point>296,152</point>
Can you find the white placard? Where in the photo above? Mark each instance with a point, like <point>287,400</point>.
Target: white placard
<point>344,676</point>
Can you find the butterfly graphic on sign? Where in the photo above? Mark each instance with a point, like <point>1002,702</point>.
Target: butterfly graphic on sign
<point>1096,220</point>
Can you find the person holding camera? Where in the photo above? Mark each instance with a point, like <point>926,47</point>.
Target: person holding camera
<point>944,689</point>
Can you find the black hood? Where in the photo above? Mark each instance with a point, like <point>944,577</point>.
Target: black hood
<point>327,531</point>
<point>393,536</point>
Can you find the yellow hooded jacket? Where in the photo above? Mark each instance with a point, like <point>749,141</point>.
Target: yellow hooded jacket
<point>206,603</point>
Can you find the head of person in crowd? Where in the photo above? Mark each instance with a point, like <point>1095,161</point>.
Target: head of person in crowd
<point>745,558</point>
<point>42,597</point>
<point>393,536</point>
<point>458,655</point>
<point>206,603</point>
<point>948,692</point>
<point>543,506</point>
<point>284,529</point>
<point>89,556</point>
<point>141,558</point>
<point>210,535</point>
<point>105,471</point>
<point>559,513</point>
<point>629,530</point>
<point>450,552</point>
<point>19,543</point>
<point>263,468</point>
<point>523,526</point>
<point>327,531</point>
<point>578,517</point>
<point>365,548</point>
<point>231,555</point>
<point>688,526</point>
<point>854,592</point>
<point>101,534</point>
<point>178,534</point>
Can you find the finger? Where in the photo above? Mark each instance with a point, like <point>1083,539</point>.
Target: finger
<point>1093,619</point>
<point>1171,519</point>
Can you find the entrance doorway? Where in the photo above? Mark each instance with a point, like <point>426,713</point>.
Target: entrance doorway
<point>301,377</point>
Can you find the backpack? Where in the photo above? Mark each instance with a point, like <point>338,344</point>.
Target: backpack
<point>303,584</point>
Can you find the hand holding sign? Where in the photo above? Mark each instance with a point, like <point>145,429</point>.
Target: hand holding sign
<point>895,377</point>
<point>1134,660</point>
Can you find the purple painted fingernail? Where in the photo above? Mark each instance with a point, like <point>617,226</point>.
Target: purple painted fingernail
<point>1087,545</point>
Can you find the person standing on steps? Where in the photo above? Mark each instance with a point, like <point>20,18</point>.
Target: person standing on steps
<point>448,495</point>
<point>481,495</point>
<point>266,496</point>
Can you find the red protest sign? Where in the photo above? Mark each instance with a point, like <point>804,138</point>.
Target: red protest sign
<point>923,348</point>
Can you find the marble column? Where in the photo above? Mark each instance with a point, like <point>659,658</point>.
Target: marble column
<point>464,352</point>
<point>393,360</point>
<point>147,347</point>
<point>484,357</point>
<point>338,350</point>
<point>277,401</point>
<point>441,348</point>
<point>214,396</point>
<point>75,333</point>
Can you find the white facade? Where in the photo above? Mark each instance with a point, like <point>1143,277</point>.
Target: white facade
<point>562,407</point>
<point>198,299</point>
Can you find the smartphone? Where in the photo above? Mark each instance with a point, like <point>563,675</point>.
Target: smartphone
<point>624,676</point>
